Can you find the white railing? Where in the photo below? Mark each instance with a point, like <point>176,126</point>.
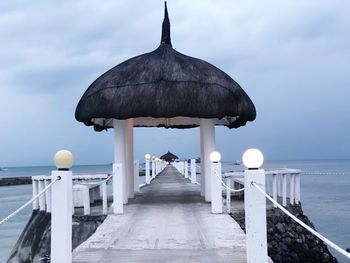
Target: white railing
<point>281,184</point>
<point>86,190</point>
<point>185,170</point>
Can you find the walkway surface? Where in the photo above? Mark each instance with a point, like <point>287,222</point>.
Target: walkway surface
<point>167,222</point>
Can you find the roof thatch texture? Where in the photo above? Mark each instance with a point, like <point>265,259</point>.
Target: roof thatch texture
<point>169,157</point>
<point>165,84</point>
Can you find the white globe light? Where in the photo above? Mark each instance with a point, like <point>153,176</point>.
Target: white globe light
<point>253,158</point>
<point>147,156</point>
<point>63,160</point>
<point>215,157</point>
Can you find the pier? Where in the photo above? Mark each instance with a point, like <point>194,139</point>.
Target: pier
<point>168,219</point>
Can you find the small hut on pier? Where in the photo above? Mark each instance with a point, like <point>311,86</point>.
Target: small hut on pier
<point>162,88</point>
<point>169,157</point>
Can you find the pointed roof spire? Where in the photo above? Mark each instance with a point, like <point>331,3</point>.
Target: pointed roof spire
<point>166,28</point>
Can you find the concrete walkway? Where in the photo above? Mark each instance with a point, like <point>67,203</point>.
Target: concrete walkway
<point>167,222</point>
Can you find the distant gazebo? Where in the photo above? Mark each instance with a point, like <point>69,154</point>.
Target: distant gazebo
<point>169,157</point>
<point>162,88</point>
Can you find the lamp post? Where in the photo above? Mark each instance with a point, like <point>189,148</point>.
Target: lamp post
<point>147,168</point>
<point>215,188</point>
<point>61,215</point>
<point>255,207</point>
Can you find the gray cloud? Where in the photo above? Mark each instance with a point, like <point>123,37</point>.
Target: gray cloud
<point>291,57</point>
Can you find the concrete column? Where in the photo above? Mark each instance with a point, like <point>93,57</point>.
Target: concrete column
<point>136,176</point>
<point>120,154</point>
<point>215,187</point>
<point>147,171</point>
<point>186,168</point>
<point>48,197</point>
<point>208,147</point>
<point>255,216</point>
<point>42,203</point>
<point>193,171</point>
<point>202,161</point>
<point>153,168</point>
<point>61,217</point>
<point>118,188</point>
<point>130,157</point>
<point>35,185</point>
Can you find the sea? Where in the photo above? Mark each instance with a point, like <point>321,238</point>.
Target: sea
<point>325,197</point>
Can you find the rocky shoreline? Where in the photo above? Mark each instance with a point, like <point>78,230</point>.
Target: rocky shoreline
<point>6,181</point>
<point>33,244</point>
<point>288,242</point>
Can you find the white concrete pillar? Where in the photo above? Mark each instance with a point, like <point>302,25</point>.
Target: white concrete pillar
<point>136,176</point>
<point>216,190</point>
<point>186,168</point>
<point>48,197</point>
<point>209,146</point>
<point>291,188</point>
<point>118,188</point>
<point>255,216</point>
<point>193,171</point>
<point>42,203</point>
<point>147,171</point>
<point>130,157</point>
<point>153,168</point>
<point>284,189</point>
<point>35,185</point>
<point>61,217</point>
<point>202,162</point>
<point>120,152</point>
<point>104,198</point>
<point>297,188</point>
<point>274,188</point>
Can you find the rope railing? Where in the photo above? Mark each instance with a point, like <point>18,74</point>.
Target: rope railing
<point>324,239</point>
<point>94,183</point>
<point>226,186</point>
<point>30,201</point>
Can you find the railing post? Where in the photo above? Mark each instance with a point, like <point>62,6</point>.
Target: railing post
<point>42,204</point>
<point>48,197</point>
<point>104,198</point>
<point>292,189</point>
<point>186,168</point>
<point>228,195</point>
<point>193,171</point>
<point>86,199</point>
<point>274,188</point>
<point>297,188</point>
<point>118,188</point>
<point>35,192</point>
<point>147,171</point>
<point>61,217</point>
<point>136,176</point>
<point>255,217</point>
<point>153,168</point>
<point>284,189</point>
<point>216,189</point>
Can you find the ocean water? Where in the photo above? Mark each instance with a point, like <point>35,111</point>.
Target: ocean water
<point>325,196</point>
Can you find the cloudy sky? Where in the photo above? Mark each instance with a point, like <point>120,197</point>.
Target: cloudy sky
<point>291,57</point>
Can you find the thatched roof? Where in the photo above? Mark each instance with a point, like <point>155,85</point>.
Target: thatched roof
<point>165,88</point>
<point>169,157</point>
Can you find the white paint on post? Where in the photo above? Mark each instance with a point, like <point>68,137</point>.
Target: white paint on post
<point>118,188</point>
<point>255,217</point>
<point>147,171</point>
<point>186,168</point>
<point>42,203</point>
<point>153,169</point>
<point>193,171</point>
<point>291,188</point>
<point>48,197</point>
<point>61,217</point>
<point>274,188</point>
<point>209,147</point>
<point>216,189</point>
<point>86,199</point>
<point>136,176</point>
<point>202,160</point>
<point>35,192</point>
<point>120,152</point>
<point>104,198</point>
<point>297,188</point>
<point>228,194</point>
<point>130,157</point>
<point>284,189</point>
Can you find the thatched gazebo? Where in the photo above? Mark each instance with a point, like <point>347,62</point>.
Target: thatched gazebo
<point>169,157</point>
<point>163,88</point>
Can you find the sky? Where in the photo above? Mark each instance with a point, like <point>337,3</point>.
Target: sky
<point>291,57</point>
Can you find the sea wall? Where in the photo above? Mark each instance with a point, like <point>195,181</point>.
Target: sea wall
<point>15,180</point>
<point>34,243</point>
<point>288,242</point>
